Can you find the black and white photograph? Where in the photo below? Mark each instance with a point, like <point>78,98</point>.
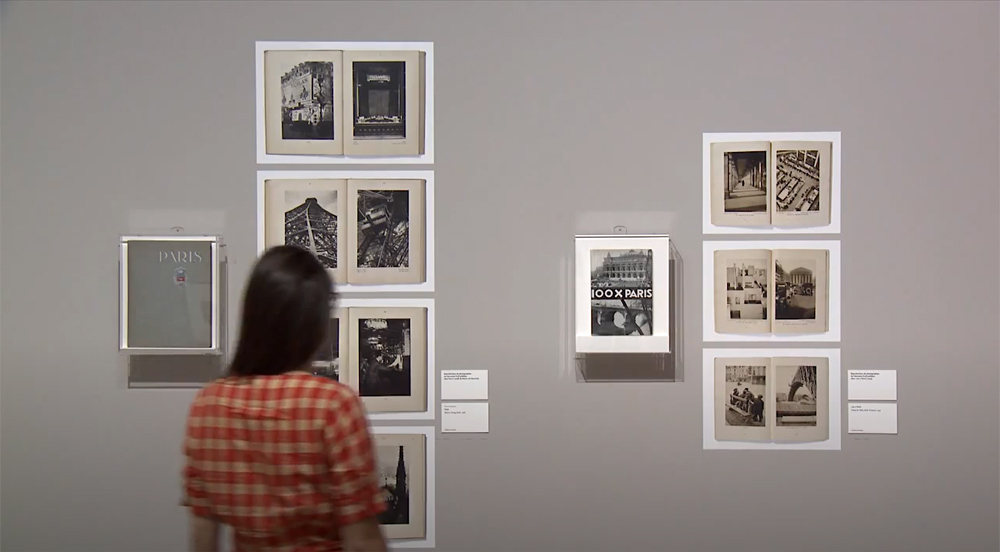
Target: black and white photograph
<point>797,174</point>
<point>379,100</point>
<point>311,223</point>
<point>383,231</point>
<point>745,181</point>
<point>746,288</point>
<point>795,289</point>
<point>307,101</point>
<point>745,403</point>
<point>393,473</point>
<point>621,292</point>
<point>327,362</point>
<point>384,346</point>
<point>795,393</point>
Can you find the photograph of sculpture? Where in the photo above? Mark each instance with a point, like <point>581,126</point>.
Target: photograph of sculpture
<point>773,184</point>
<point>790,283</point>
<point>772,399</point>
<point>621,291</point>
<point>302,104</point>
<point>386,239</point>
<point>795,396</point>
<point>388,358</point>
<point>384,102</point>
<point>384,349</point>
<point>401,467</point>
<point>308,213</point>
<point>311,223</point>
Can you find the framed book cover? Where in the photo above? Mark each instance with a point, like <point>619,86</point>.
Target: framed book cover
<point>622,294</point>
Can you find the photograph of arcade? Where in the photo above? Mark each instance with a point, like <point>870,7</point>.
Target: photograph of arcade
<point>746,181</point>
<point>621,292</point>
<point>797,176</point>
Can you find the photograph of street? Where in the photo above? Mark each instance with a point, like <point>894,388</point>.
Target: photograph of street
<point>307,101</point>
<point>746,289</point>
<point>621,292</point>
<point>794,290</point>
<point>745,403</point>
<point>311,223</point>
<point>795,395</point>
<point>745,181</point>
<point>797,175</point>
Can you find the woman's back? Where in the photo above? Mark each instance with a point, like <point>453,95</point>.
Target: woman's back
<point>285,460</point>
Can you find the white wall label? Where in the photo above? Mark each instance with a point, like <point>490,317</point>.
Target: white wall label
<point>877,418</point>
<point>465,385</point>
<point>871,385</point>
<point>465,417</point>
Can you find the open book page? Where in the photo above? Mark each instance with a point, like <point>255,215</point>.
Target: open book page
<point>799,406</point>
<point>311,214</point>
<point>800,173</point>
<point>740,183</point>
<point>801,288</point>
<point>741,399</point>
<point>381,96</point>
<point>388,357</point>
<point>386,232</point>
<point>303,111</point>
<point>742,291</point>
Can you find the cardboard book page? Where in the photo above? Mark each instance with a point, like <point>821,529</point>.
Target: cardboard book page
<point>742,389</point>
<point>742,291</point>
<point>800,410</point>
<point>388,358</point>
<point>386,242</point>
<point>382,103</point>
<point>801,290</point>
<point>801,173</point>
<point>303,108</point>
<point>741,183</point>
<point>310,214</point>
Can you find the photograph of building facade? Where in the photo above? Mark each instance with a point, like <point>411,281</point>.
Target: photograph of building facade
<point>745,181</point>
<point>797,175</point>
<point>312,224</point>
<point>621,284</point>
<point>307,101</point>
<point>746,289</point>
<point>379,100</point>
<point>794,290</point>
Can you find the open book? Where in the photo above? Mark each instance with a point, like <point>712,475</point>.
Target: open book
<point>771,183</point>
<point>782,291</point>
<point>772,399</point>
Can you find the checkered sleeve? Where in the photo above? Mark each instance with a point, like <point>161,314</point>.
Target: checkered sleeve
<point>351,457</point>
<point>194,495</point>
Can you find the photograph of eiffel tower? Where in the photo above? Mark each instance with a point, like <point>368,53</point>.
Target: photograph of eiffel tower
<point>311,224</point>
<point>383,228</point>
<point>393,470</point>
<point>795,396</point>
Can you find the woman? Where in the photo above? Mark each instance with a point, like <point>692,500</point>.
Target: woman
<point>282,456</point>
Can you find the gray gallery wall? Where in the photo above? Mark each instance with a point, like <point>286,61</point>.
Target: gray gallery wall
<point>112,111</point>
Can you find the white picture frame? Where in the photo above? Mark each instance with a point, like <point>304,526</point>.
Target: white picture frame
<point>710,138</point>
<point>430,484</point>
<point>708,291</point>
<point>426,158</point>
<point>430,407</point>
<point>659,340</point>
<point>427,286</point>
<point>709,442</point>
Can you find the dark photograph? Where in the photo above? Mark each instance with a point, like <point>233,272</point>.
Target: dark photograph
<point>621,292</point>
<point>794,288</point>
<point>384,361</point>
<point>745,404</point>
<point>307,102</point>
<point>393,469</point>
<point>311,224</point>
<point>797,175</point>
<point>327,361</point>
<point>795,396</point>
<point>383,228</point>
<point>746,181</point>
<point>379,100</point>
<point>746,289</point>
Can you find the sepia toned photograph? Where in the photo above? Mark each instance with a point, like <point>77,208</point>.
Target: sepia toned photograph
<point>379,100</point>
<point>797,180</point>
<point>402,476</point>
<point>327,362</point>
<point>795,395</point>
<point>621,292</point>
<point>746,402</point>
<point>312,223</point>
<point>302,102</point>
<point>746,181</point>
<point>393,472</point>
<point>383,229</point>
<point>794,289</point>
<point>746,288</point>
<point>384,349</point>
